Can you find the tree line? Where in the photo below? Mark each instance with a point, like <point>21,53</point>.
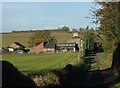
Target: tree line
<point>108,16</point>
<point>64,28</point>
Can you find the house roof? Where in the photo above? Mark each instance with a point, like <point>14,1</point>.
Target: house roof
<point>50,45</point>
<point>17,43</point>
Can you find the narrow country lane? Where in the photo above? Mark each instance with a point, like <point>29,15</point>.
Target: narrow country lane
<point>91,74</point>
<point>97,76</point>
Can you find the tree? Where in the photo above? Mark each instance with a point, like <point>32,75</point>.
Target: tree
<point>109,18</point>
<point>87,28</point>
<point>89,36</point>
<point>74,30</point>
<point>64,28</point>
<point>41,36</point>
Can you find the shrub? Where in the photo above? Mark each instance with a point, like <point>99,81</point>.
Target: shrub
<point>50,80</point>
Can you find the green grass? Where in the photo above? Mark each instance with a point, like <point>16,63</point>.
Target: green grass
<point>118,85</point>
<point>34,63</point>
<point>23,37</point>
<point>9,38</point>
<point>106,59</point>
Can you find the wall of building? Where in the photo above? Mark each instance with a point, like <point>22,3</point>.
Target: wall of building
<point>37,49</point>
<point>52,50</point>
<point>40,49</point>
<point>14,46</point>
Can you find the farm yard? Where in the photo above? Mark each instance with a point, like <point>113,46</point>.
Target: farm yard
<point>40,63</point>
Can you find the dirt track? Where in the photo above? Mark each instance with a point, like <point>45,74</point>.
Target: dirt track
<point>91,74</point>
<point>97,76</point>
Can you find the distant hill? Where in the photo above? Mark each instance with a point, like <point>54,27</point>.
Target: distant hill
<point>23,37</point>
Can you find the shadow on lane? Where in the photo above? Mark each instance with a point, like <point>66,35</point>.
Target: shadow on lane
<point>83,77</point>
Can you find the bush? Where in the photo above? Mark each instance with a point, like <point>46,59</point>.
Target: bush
<point>50,80</point>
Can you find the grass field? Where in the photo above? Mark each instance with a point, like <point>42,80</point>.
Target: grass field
<point>36,63</point>
<point>23,37</point>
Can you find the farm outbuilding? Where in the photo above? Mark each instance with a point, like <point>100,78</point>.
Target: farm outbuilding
<point>44,47</point>
<point>64,47</point>
<point>17,45</point>
<point>71,45</point>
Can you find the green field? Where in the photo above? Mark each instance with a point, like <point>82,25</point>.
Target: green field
<point>23,37</point>
<point>36,63</point>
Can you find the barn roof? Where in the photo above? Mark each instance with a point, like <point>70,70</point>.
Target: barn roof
<point>17,43</point>
<point>50,45</point>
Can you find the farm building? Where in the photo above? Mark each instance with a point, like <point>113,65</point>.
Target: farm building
<point>17,45</point>
<point>70,45</point>
<point>64,47</point>
<point>38,48</point>
<point>75,38</point>
<point>73,44</point>
<point>49,47</point>
<point>44,47</point>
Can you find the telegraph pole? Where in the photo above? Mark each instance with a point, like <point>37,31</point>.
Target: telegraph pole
<point>79,51</point>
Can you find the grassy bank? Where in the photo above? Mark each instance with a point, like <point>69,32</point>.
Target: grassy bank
<point>36,63</point>
<point>106,60</point>
<point>118,85</point>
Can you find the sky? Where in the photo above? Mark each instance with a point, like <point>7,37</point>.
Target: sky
<point>48,0</point>
<point>21,16</point>
<point>60,0</point>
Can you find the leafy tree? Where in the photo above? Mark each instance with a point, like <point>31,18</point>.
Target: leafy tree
<point>109,18</point>
<point>74,30</point>
<point>64,28</point>
<point>81,32</point>
<point>87,28</point>
<point>41,36</point>
<point>89,36</point>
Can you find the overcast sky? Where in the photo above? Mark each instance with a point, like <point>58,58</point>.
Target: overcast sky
<point>45,15</point>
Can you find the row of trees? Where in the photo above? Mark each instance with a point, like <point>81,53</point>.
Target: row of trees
<point>88,34</point>
<point>63,28</point>
<point>109,18</point>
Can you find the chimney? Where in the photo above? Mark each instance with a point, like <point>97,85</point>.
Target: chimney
<point>75,34</point>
